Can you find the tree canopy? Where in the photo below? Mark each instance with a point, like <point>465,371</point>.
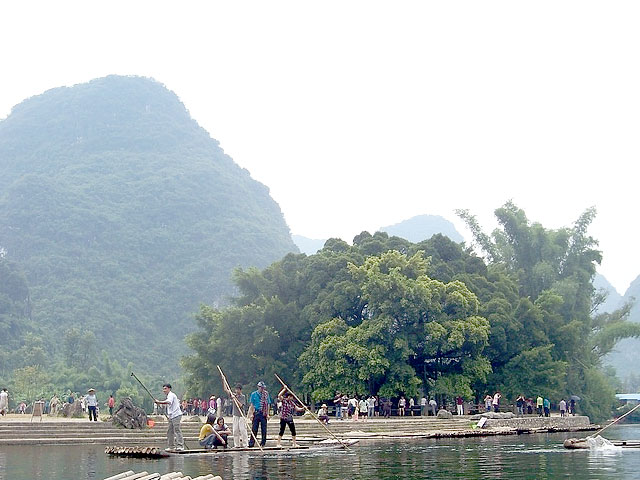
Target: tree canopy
<point>390,317</point>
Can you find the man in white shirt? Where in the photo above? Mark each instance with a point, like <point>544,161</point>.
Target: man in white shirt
<point>4,402</point>
<point>434,407</point>
<point>174,415</point>
<point>423,406</point>
<point>371,406</point>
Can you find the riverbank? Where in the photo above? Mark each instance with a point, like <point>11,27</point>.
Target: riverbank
<point>18,430</point>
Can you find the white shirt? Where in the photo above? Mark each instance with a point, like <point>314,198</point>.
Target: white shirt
<point>4,396</point>
<point>92,401</point>
<point>173,407</point>
<point>423,401</point>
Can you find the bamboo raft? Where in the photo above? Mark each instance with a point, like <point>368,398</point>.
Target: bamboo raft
<point>157,452</point>
<point>137,452</point>
<point>130,475</point>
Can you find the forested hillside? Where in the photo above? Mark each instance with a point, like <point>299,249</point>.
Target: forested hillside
<point>124,215</point>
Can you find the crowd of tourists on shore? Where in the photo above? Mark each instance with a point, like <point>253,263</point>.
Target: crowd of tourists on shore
<point>260,405</point>
<point>88,404</point>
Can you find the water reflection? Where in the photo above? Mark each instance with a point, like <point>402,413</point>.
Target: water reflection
<point>527,456</point>
<point>240,466</point>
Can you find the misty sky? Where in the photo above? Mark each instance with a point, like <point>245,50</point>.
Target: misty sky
<point>359,115</point>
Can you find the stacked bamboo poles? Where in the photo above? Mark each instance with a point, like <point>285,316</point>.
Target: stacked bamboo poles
<point>130,475</point>
<point>148,452</point>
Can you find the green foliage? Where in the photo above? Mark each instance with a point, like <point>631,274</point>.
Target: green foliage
<point>124,215</point>
<point>387,316</point>
<point>350,318</point>
<point>547,340</point>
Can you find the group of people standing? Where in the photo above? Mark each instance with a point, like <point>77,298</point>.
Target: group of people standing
<point>88,404</point>
<point>355,408</point>
<point>524,405</point>
<point>216,405</point>
<point>215,432</point>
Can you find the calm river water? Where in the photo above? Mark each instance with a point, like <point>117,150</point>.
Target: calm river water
<point>527,456</point>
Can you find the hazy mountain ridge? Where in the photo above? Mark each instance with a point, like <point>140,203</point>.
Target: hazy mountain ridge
<point>125,214</point>
<point>625,354</point>
<point>414,229</point>
<point>423,227</point>
<point>614,300</point>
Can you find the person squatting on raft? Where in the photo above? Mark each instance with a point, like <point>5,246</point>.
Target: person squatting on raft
<point>289,407</point>
<point>206,432</point>
<point>221,432</point>
<point>323,414</point>
<point>260,401</point>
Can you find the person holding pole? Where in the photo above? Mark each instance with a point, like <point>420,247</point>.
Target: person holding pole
<point>260,401</point>
<point>289,407</point>
<point>174,416</point>
<point>310,412</point>
<point>240,437</point>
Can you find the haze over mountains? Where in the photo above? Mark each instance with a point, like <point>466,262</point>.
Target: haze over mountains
<point>624,358</point>
<point>125,215</point>
<point>414,229</point>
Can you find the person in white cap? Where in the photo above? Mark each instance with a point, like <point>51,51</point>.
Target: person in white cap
<point>92,404</point>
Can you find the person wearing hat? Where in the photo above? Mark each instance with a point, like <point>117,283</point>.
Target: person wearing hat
<point>92,404</point>
<point>212,405</point>
<point>260,401</point>
<point>323,413</point>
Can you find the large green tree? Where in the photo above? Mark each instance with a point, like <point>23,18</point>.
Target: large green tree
<point>278,308</point>
<point>417,332</point>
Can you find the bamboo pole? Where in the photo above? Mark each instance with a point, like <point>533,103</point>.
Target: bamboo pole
<point>121,475</point>
<point>312,414</point>
<point>154,401</point>
<point>227,387</point>
<point>615,421</point>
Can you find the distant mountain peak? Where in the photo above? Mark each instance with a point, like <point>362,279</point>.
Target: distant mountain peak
<point>423,227</point>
